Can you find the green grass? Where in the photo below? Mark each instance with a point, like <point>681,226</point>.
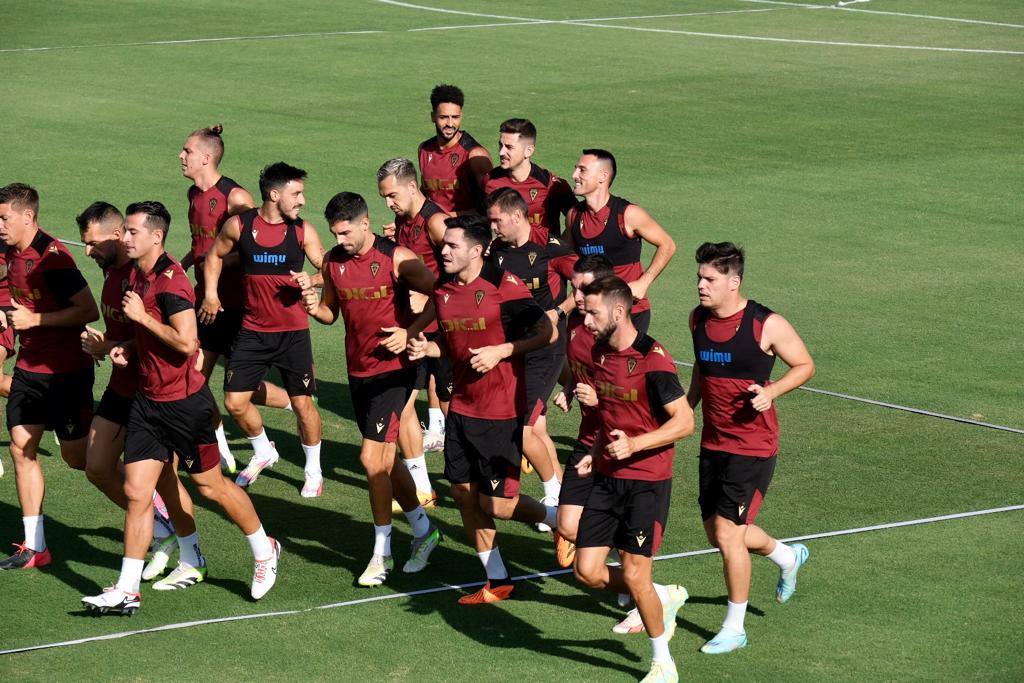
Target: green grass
<point>876,191</point>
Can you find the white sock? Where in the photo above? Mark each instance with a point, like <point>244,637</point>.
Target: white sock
<point>312,468</point>
<point>660,647</point>
<point>382,540</point>
<point>261,445</point>
<point>783,556</point>
<point>551,516</point>
<point>289,407</point>
<point>734,615</point>
<point>661,591</point>
<point>260,544</point>
<point>222,442</point>
<point>131,575</point>
<point>436,420</point>
<point>552,487</point>
<point>419,521</point>
<point>35,539</point>
<point>418,469</point>
<point>493,565</point>
<point>189,552</point>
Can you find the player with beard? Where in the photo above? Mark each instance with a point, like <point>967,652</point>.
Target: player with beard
<point>616,228</point>
<point>51,387</point>
<point>735,343</point>
<point>547,196</point>
<point>452,162</point>
<point>273,244</point>
<point>212,199</point>
<point>172,418</point>
<point>488,321</point>
<point>643,411</point>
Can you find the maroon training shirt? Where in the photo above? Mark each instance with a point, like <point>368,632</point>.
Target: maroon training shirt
<point>446,178</point>
<point>207,213</point>
<point>547,196</point>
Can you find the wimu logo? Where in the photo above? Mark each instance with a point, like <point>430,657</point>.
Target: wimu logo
<point>591,249</point>
<point>712,356</point>
<point>267,257</point>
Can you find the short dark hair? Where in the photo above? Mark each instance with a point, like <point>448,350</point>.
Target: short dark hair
<point>157,215</point>
<point>611,287</point>
<point>446,93</point>
<point>521,127</point>
<point>507,200</point>
<point>476,229</point>
<point>401,168</point>
<point>604,155</point>
<point>345,206</point>
<point>597,264</point>
<point>725,257</point>
<point>211,136</point>
<point>276,176</point>
<point>20,196</point>
<point>98,212</point>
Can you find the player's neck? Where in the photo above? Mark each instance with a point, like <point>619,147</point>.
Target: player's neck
<point>470,273</point>
<point>269,213</point>
<point>28,238</point>
<point>148,262</point>
<point>730,308</point>
<point>521,172</point>
<point>367,246</point>
<point>206,179</point>
<point>522,237</point>
<point>417,205</point>
<point>624,336</point>
<point>598,199</point>
<point>122,257</point>
<point>448,144</point>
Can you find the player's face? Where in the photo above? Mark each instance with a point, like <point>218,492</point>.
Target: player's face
<point>100,245</point>
<point>13,223</point>
<point>447,120</point>
<point>714,288</point>
<point>192,158</point>
<point>585,175</point>
<point>504,225</point>
<point>351,235</point>
<point>398,196</point>
<point>290,199</point>
<point>456,251</point>
<point>600,317</point>
<point>138,239</point>
<point>579,281</point>
<point>513,150</point>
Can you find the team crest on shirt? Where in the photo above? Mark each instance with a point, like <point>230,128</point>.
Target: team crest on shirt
<point>29,265</point>
<point>374,269</point>
<point>213,204</point>
<point>631,365</point>
<point>479,294</point>
<point>533,194</point>
<point>532,257</point>
<point>455,160</point>
<point>125,284</point>
<point>658,350</point>
<point>416,233</point>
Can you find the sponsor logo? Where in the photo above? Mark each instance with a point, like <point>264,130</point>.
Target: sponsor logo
<point>511,278</point>
<point>464,325</point>
<point>255,232</point>
<point>440,184</point>
<point>501,259</point>
<point>305,381</point>
<point>169,273</point>
<point>201,231</point>
<point>479,296</point>
<point>712,356</point>
<point>609,390</point>
<point>532,284</point>
<point>579,368</point>
<point>341,269</point>
<point>640,539</point>
<point>364,293</point>
<point>446,296</point>
<point>374,269</point>
<point>22,294</point>
<point>742,509</point>
<point>591,249</point>
<point>380,426</point>
<point>53,249</point>
<point>658,350</point>
<point>3,271</point>
<point>494,484</point>
<point>111,313</point>
<point>267,257</point>
<point>553,240</point>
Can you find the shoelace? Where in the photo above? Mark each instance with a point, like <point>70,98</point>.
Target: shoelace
<point>21,548</point>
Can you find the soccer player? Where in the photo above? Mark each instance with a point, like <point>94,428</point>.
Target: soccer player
<point>419,227</point>
<point>273,243</point>
<point>51,387</point>
<point>643,412</point>
<point>6,335</point>
<point>548,197</point>
<point>735,343</point>
<point>543,269</point>
<point>488,321</point>
<point>605,224</point>
<point>452,162</point>
<point>172,418</point>
<point>367,279</point>
<point>212,199</point>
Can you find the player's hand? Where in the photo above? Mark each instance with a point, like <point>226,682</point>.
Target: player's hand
<point>639,289</point>
<point>303,280</point>
<point>586,395</point>
<point>388,231</point>
<point>20,318</point>
<point>119,356</point>
<point>395,339</point>
<point>621,447</point>
<point>209,310</point>
<point>563,400</point>
<point>3,320</point>
<point>199,360</point>
<point>133,307</point>
<point>585,466</point>
<point>762,397</point>
<point>310,300</point>
<point>417,347</point>
<point>486,358</point>
<point>553,317</point>
<point>93,343</point>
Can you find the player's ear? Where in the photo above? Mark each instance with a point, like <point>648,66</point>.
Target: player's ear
<point>734,282</point>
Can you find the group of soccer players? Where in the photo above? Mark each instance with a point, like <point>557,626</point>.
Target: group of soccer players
<point>465,294</point>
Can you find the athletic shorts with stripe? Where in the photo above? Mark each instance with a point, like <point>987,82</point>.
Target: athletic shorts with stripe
<point>733,486</point>
<point>483,452</point>
<point>159,429</point>
<point>628,514</point>
<point>378,402</point>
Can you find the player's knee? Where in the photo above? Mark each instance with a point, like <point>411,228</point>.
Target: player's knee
<point>588,573</point>
<point>373,463</point>
<point>98,474</point>
<point>212,490</point>
<point>139,494</point>
<point>463,496</point>
<point>498,508</point>
<point>236,404</point>
<point>636,576</point>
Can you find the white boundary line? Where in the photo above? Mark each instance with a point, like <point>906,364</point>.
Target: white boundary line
<point>878,11</point>
<point>189,41</point>
<point>896,406</point>
<point>472,584</point>
<point>530,22</point>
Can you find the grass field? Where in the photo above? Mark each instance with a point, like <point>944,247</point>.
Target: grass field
<point>876,188</point>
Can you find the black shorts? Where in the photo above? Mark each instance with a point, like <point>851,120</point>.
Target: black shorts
<point>114,407</point>
<point>378,402</point>
<point>220,336</point>
<point>628,514</point>
<point>575,489</point>
<point>641,321</point>
<point>438,368</point>
<point>483,452</point>
<point>256,352</point>
<point>733,486</point>
<point>158,429</point>
<point>541,370</point>
<point>61,401</point>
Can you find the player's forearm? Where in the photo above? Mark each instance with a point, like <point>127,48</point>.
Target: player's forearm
<point>662,256</point>
<point>323,314</point>
<point>679,426</point>
<point>421,322</point>
<point>73,316</point>
<point>170,337</point>
<point>542,334</point>
<point>432,350</point>
<point>796,376</point>
<point>693,396</point>
<point>212,266</point>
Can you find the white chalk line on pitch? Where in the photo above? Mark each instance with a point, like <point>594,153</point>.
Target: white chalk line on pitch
<point>890,13</point>
<point>190,41</point>
<point>473,584</point>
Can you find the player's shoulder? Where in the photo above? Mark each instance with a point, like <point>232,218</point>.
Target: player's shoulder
<point>654,353</point>
<point>227,185</point>
<point>170,276</point>
<point>52,251</point>
<point>556,247</point>
<point>759,311</point>
<point>428,145</point>
<point>468,142</point>
<point>431,209</point>
<point>541,175</point>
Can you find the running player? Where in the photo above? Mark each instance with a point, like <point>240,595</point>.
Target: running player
<point>367,280</point>
<point>273,242</point>
<point>419,227</point>
<point>605,224</point>
<point>452,162</point>
<point>212,199</point>
<point>6,335</point>
<point>52,383</point>
<point>488,321</point>
<point>548,197</point>
<point>543,269</point>
<point>172,418</point>
<point>643,412</point>
<point>735,343</point>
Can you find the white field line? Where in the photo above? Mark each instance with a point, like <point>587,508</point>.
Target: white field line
<point>565,21</point>
<point>878,11</point>
<point>473,584</point>
<point>896,406</point>
<point>190,41</point>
